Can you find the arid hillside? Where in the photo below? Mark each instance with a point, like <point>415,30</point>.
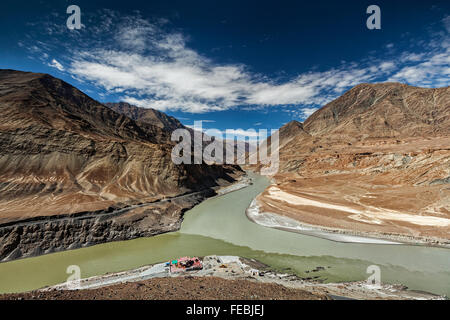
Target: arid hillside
<point>383,110</point>
<point>63,153</point>
<point>152,121</point>
<point>376,160</point>
<point>148,116</point>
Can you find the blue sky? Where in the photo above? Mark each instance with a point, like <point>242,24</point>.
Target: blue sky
<point>236,64</point>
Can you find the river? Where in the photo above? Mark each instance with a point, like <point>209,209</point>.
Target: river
<point>219,226</point>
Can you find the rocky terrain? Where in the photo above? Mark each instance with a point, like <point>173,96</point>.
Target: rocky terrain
<point>151,120</point>
<point>148,116</point>
<point>188,288</point>
<point>69,164</point>
<point>376,161</point>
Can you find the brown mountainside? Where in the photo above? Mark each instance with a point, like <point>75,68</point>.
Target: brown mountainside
<point>63,152</point>
<point>382,150</point>
<point>146,116</point>
<point>384,110</point>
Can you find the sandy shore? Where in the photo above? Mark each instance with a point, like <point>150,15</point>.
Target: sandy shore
<point>232,268</point>
<point>277,221</point>
<point>272,220</point>
<point>369,214</point>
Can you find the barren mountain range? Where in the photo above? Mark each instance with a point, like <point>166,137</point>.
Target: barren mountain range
<point>66,160</point>
<point>75,172</point>
<point>375,161</point>
<point>148,116</point>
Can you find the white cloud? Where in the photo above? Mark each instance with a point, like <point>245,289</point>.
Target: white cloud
<point>411,57</point>
<point>183,80</point>
<point>308,111</point>
<point>387,66</point>
<point>242,133</point>
<point>55,64</point>
<point>151,67</point>
<point>134,34</point>
<point>446,22</point>
<point>156,69</point>
<point>431,71</point>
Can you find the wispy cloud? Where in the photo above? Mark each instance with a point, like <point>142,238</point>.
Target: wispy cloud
<point>431,67</point>
<point>446,22</point>
<point>151,66</point>
<point>308,111</point>
<point>54,63</point>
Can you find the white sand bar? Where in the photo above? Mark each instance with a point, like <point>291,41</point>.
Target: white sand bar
<point>369,214</point>
<point>272,220</point>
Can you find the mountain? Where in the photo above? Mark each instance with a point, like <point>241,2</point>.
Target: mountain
<point>384,110</point>
<point>63,154</point>
<point>375,160</point>
<point>147,116</point>
<point>290,131</point>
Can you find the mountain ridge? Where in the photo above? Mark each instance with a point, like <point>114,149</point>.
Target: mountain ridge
<point>375,162</point>
<point>397,107</point>
<point>62,153</point>
<point>146,115</point>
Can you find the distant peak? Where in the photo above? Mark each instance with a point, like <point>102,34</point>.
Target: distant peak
<point>293,123</point>
<point>21,75</point>
<point>146,115</point>
<point>380,85</point>
<point>291,129</point>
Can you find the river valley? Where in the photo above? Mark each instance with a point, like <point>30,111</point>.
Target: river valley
<point>219,226</point>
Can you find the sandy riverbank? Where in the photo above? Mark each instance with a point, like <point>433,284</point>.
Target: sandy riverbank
<point>272,220</point>
<point>256,213</point>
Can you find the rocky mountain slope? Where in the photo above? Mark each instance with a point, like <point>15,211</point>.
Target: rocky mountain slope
<point>383,110</point>
<point>150,119</point>
<point>375,160</point>
<point>63,153</point>
<point>147,116</point>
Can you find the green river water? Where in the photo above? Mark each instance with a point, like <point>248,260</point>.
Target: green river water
<point>219,226</point>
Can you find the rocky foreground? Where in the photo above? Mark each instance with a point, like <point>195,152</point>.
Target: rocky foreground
<point>189,288</point>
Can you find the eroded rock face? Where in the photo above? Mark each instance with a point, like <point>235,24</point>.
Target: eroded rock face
<point>41,235</point>
<point>62,152</point>
<point>378,152</point>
